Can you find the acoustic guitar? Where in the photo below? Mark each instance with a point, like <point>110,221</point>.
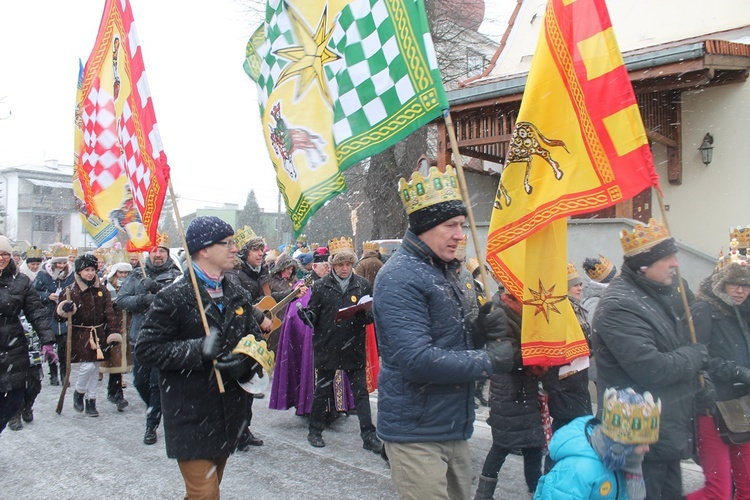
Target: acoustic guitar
<point>271,308</point>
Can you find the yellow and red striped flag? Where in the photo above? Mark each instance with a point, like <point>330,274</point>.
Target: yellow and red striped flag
<point>579,145</point>
<point>121,169</point>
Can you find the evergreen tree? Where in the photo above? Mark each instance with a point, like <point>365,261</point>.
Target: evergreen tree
<point>251,214</point>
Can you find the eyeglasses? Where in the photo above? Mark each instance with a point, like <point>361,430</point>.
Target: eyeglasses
<point>4,256</point>
<point>733,287</point>
<point>228,244</point>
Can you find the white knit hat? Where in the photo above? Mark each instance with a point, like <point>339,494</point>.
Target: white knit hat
<point>5,246</point>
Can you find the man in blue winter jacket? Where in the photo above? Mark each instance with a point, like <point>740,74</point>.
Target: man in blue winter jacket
<point>428,361</point>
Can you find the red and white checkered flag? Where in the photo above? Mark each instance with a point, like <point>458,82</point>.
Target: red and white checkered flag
<point>120,162</point>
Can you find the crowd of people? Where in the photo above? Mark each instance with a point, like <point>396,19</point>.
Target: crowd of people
<point>320,327</point>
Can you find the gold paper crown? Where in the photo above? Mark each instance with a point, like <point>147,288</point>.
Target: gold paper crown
<point>742,235</point>
<point>573,273</point>
<point>33,253</point>
<point>336,246</point>
<point>301,240</point>
<point>100,253</point>
<point>461,244</point>
<point>258,350</point>
<point>472,265</point>
<point>72,252</point>
<point>369,246</point>
<point>601,270</point>
<point>643,237</point>
<point>63,251</point>
<point>631,422</point>
<point>243,236</point>
<point>733,257</point>
<point>314,246</point>
<point>162,240</point>
<point>421,192</point>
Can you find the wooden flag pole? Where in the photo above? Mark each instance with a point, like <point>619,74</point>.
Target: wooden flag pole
<point>465,195</point>
<point>193,279</point>
<point>683,291</point>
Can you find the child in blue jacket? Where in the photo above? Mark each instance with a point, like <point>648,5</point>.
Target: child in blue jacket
<point>596,459</point>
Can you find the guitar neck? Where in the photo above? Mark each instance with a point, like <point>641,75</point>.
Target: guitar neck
<point>280,304</point>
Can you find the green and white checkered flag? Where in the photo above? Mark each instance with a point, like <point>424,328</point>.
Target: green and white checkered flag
<point>338,87</point>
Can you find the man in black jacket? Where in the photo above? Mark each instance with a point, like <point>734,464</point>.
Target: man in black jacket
<point>137,293</point>
<point>201,425</point>
<point>640,341</point>
<point>339,345</point>
<point>251,273</point>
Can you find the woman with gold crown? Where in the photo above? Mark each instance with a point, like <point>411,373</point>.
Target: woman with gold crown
<point>722,318</point>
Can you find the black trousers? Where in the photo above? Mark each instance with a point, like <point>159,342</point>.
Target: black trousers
<point>532,464</point>
<point>324,392</point>
<point>663,479</point>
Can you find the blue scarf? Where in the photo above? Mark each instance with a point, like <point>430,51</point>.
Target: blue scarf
<point>212,285</point>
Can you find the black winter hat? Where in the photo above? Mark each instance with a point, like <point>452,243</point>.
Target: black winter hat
<point>428,217</point>
<point>86,260</point>
<point>657,252</point>
<point>205,231</point>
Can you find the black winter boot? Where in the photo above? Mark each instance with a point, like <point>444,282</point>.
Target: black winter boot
<point>150,436</point>
<point>27,412</point>
<point>486,488</point>
<point>91,408</point>
<point>15,423</point>
<point>53,378</point>
<point>78,401</point>
<point>315,438</point>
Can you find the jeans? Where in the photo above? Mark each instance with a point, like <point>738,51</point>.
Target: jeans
<point>10,403</point>
<point>532,464</point>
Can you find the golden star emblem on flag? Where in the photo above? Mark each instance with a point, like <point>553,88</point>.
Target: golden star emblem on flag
<point>544,300</point>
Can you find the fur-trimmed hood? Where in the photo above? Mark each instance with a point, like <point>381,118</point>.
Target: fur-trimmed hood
<point>712,288</point>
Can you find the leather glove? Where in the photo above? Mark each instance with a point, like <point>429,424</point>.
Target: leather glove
<point>705,397</point>
<point>67,306</point>
<point>151,286</point>
<point>493,322</point>
<point>212,345</point>
<point>502,354</point>
<point>741,374</point>
<point>306,315</point>
<point>49,354</point>
<point>236,366</point>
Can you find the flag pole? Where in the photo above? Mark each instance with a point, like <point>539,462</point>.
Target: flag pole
<point>191,271</point>
<point>683,291</point>
<point>465,196</point>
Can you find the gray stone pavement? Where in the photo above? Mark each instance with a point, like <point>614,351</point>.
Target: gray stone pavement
<point>71,456</point>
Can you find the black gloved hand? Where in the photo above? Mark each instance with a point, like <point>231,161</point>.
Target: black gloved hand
<point>502,354</point>
<point>211,345</point>
<point>705,358</point>
<point>67,306</point>
<point>705,397</point>
<point>151,286</point>
<point>145,301</point>
<point>360,318</point>
<point>236,366</point>
<point>742,374</point>
<point>307,316</point>
<point>493,322</point>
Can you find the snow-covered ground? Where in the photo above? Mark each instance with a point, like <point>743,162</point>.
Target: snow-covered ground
<point>72,456</point>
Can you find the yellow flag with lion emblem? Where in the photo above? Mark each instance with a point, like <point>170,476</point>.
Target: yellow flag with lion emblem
<point>578,146</point>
